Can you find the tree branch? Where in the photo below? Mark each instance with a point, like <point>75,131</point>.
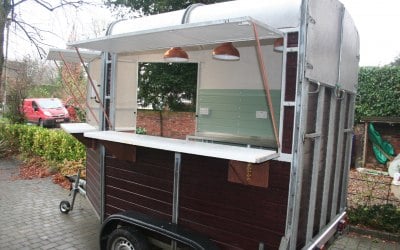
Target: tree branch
<point>13,5</point>
<point>47,5</point>
<point>62,3</point>
<point>33,40</point>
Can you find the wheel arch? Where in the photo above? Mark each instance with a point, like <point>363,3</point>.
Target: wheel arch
<point>145,223</point>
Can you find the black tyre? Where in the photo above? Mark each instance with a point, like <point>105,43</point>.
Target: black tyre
<point>65,207</point>
<point>126,238</point>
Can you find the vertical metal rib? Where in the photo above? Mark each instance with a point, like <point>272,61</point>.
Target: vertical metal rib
<point>349,143</point>
<point>329,161</point>
<point>175,194</point>
<point>339,156</point>
<point>175,197</point>
<point>316,164</point>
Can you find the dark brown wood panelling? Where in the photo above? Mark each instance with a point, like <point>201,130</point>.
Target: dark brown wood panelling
<point>144,185</point>
<point>287,134</point>
<point>293,39</point>
<point>291,76</point>
<point>93,187</point>
<point>235,216</point>
<point>120,151</point>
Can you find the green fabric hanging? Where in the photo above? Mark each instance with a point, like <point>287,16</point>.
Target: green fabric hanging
<point>383,150</point>
<point>380,157</point>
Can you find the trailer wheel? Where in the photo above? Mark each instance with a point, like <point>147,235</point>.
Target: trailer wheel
<point>65,207</point>
<point>126,238</point>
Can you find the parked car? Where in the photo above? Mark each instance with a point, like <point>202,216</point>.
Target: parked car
<point>46,112</point>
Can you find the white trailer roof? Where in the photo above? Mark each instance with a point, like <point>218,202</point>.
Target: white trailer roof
<point>199,25</point>
<point>184,35</point>
<point>70,55</point>
<point>277,13</point>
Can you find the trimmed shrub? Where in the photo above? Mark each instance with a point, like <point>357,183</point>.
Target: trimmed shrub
<point>52,145</point>
<point>380,217</point>
<point>378,92</point>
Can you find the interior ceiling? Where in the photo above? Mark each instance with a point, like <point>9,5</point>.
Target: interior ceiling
<point>185,35</point>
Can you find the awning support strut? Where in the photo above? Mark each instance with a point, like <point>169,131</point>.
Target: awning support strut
<point>94,88</point>
<point>266,85</point>
<point>73,78</point>
<point>66,83</point>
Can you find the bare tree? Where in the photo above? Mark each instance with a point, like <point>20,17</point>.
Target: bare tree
<point>396,61</point>
<point>33,33</point>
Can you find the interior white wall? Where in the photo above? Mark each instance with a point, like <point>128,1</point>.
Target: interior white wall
<point>126,93</point>
<point>242,74</point>
<point>214,74</point>
<point>95,74</point>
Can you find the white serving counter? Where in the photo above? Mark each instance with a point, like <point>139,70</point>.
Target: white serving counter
<point>76,128</point>
<point>237,153</point>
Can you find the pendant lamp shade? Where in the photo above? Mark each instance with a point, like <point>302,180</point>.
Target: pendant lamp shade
<point>226,52</point>
<point>176,54</point>
<point>278,44</point>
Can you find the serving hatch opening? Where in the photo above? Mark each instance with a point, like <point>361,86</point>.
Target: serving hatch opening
<point>231,102</point>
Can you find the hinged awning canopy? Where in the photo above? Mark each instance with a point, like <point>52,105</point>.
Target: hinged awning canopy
<point>185,35</point>
<point>71,56</point>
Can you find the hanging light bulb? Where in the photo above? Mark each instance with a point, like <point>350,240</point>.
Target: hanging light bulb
<point>226,52</point>
<point>176,54</point>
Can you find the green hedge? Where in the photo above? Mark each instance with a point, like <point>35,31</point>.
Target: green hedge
<point>379,217</point>
<point>50,144</point>
<point>378,92</point>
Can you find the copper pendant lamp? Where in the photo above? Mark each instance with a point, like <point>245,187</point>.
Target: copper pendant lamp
<point>226,52</point>
<point>176,54</point>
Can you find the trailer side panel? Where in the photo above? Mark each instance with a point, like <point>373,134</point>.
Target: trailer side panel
<point>236,216</point>
<point>93,187</point>
<point>144,185</point>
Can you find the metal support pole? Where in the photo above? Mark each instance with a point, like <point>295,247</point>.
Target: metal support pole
<point>349,142</point>
<point>102,181</point>
<point>175,194</point>
<point>175,198</point>
<point>339,157</point>
<point>316,164</point>
<point>329,167</point>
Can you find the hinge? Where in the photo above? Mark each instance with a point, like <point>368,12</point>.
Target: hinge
<point>310,19</point>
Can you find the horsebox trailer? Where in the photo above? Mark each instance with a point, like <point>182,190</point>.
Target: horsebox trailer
<point>267,165</point>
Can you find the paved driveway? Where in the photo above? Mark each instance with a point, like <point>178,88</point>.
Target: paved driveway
<point>30,217</point>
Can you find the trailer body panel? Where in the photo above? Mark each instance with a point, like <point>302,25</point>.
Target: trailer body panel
<point>205,183</point>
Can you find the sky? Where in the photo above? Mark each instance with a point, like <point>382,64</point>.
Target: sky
<point>60,26</point>
<point>377,22</point>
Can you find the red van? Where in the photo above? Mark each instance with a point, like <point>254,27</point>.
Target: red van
<point>46,112</point>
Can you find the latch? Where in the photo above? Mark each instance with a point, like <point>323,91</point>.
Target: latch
<point>310,136</point>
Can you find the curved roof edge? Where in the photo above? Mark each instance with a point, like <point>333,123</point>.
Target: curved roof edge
<point>276,13</point>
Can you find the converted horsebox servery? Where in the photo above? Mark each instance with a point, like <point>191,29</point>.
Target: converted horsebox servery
<point>266,166</point>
